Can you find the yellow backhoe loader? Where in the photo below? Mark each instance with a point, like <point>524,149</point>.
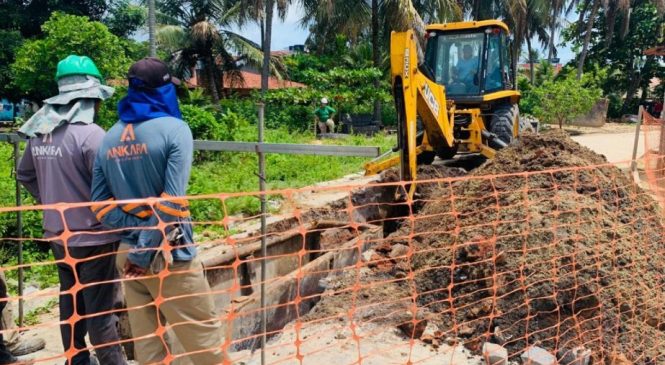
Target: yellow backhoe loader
<point>459,97</point>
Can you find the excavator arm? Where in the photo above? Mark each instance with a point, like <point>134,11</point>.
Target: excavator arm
<point>415,95</point>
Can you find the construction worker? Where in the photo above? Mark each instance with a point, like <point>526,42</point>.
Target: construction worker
<point>57,168</point>
<point>148,153</point>
<point>14,341</point>
<point>467,68</point>
<point>324,117</point>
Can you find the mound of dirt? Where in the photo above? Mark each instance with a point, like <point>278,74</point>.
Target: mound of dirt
<point>546,244</point>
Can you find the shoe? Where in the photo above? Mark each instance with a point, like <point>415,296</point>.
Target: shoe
<point>27,346</point>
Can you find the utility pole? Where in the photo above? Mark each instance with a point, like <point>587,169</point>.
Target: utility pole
<point>151,28</point>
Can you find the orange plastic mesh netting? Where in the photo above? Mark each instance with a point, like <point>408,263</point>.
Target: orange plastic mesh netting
<point>547,250</point>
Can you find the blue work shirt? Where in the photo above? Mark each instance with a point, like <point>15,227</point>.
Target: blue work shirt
<point>150,159</point>
<point>467,70</point>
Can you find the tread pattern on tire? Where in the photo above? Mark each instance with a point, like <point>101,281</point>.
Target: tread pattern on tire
<point>503,121</point>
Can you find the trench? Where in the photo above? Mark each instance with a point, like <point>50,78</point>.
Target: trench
<point>298,266</point>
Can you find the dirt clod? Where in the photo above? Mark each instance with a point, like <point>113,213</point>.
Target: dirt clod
<point>565,246</point>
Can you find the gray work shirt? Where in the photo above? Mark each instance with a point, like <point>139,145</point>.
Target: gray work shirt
<point>57,168</point>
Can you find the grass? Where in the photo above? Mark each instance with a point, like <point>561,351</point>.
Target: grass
<point>236,172</point>
<point>32,317</point>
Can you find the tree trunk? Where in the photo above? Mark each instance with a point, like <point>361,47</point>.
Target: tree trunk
<point>633,86</point>
<point>151,28</point>
<point>532,71</point>
<point>267,39</point>
<point>475,12</point>
<point>212,85</point>
<point>550,52</point>
<point>376,55</point>
<point>587,39</point>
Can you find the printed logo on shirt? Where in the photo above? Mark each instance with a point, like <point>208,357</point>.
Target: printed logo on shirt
<point>128,134</point>
<point>46,151</point>
<point>127,151</point>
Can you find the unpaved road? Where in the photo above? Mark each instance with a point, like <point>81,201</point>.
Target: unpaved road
<point>617,147</point>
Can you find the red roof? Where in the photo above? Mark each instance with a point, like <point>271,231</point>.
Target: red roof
<point>252,80</point>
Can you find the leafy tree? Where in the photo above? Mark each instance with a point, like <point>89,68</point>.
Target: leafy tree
<point>27,15</point>
<point>125,18</point>
<point>196,33</point>
<point>36,60</point>
<point>11,40</point>
<point>615,14</point>
<point>620,51</point>
<point>563,100</point>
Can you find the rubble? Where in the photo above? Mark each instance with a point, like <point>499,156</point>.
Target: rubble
<point>495,354</point>
<point>577,356</point>
<point>535,355</point>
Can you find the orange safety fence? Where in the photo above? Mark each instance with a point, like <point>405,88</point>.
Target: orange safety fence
<point>654,144</point>
<point>566,263</point>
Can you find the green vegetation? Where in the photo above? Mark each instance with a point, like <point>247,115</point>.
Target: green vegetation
<point>36,60</point>
<point>32,317</point>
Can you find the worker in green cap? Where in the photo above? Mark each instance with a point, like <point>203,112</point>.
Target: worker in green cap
<point>57,168</point>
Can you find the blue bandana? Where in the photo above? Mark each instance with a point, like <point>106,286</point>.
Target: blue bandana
<point>143,104</point>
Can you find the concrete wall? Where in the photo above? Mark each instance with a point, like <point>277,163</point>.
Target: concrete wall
<point>596,117</point>
<point>295,273</point>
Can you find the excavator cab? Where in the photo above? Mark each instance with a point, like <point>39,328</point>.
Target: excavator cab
<point>473,61</point>
<point>470,63</point>
<point>458,96</point>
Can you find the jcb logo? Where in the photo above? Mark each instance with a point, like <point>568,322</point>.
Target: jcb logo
<point>128,134</point>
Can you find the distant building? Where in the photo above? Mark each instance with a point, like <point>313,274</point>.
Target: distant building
<point>298,48</point>
<point>251,81</point>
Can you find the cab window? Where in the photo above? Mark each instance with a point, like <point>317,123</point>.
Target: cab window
<point>494,78</point>
<point>455,60</point>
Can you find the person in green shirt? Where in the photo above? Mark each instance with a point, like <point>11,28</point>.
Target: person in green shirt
<point>324,117</point>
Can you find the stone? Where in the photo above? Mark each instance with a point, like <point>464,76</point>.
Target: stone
<point>465,330</point>
<point>367,255</point>
<point>399,251</point>
<point>577,356</point>
<point>411,328</point>
<point>495,354</point>
<point>535,355</point>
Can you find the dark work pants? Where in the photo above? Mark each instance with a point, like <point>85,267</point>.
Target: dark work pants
<point>91,300</point>
<point>5,355</point>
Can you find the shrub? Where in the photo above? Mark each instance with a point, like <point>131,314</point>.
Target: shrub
<point>36,60</point>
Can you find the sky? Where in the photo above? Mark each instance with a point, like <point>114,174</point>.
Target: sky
<point>290,32</point>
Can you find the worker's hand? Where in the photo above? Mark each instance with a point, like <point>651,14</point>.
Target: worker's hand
<point>132,271</point>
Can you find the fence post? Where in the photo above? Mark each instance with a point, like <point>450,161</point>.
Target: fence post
<point>264,248</point>
<point>633,162</point>
<point>19,232</point>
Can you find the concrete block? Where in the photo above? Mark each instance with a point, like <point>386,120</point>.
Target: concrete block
<point>577,356</point>
<point>495,354</point>
<point>535,355</point>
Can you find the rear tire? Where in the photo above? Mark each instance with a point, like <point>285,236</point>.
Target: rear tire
<point>503,122</point>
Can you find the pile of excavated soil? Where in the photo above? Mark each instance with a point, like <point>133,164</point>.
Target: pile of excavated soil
<point>543,246</point>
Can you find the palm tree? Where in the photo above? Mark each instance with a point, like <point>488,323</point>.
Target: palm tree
<point>556,9</point>
<point>611,8</point>
<point>195,33</point>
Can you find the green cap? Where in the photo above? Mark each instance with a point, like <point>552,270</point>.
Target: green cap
<point>77,65</point>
